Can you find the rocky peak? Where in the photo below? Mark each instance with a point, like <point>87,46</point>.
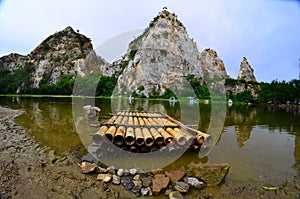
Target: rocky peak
<point>12,61</point>
<point>246,71</point>
<point>161,56</point>
<point>212,65</point>
<point>63,53</point>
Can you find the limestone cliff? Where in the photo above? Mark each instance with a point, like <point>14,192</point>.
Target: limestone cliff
<point>161,57</point>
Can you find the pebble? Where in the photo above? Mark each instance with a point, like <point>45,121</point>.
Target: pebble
<point>195,182</point>
<point>104,177</point>
<point>136,190</point>
<point>127,183</point>
<point>111,170</point>
<point>87,167</point>
<point>147,181</point>
<point>126,172</point>
<point>181,187</point>
<point>132,171</point>
<point>116,179</point>
<point>137,182</point>
<point>145,191</point>
<point>120,172</point>
<point>137,177</point>
<point>175,195</point>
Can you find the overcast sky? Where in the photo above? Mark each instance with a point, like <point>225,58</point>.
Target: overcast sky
<point>267,32</point>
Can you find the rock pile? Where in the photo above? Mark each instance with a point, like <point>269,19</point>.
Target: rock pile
<point>173,183</point>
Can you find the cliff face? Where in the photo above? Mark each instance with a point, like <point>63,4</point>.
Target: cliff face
<point>163,55</point>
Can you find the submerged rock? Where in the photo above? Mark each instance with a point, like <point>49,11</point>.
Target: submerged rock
<point>211,174</point>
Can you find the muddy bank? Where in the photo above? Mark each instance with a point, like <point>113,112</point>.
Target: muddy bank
<point>29,171</point>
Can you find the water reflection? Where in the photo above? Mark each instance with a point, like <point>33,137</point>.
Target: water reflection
<point>51,121</point>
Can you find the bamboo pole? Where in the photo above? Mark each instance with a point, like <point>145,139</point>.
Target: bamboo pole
<point>147,137</point>
<point>203,137</point>
<point>180,139</point>
<point>119,136</point>
<point>136,121</point>
<point>111,120</point>
<point>190,139</point>
<point>124,120</point>
<point>167,137</point>
<point>147,122</point>
<point>159,140</point>
<point>130,120</point>
<point>110,133</point>
<point>129,137</point>
<point>141,121</point>
<point>118,120</point>
<point>207,138</point>
<point>98,137</point>
<point>139,139</point>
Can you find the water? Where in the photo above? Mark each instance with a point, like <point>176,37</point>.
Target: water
<point>262,144</point>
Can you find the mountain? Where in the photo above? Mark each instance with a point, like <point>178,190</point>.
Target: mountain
<point>163,55</point>
<point>65,53</point>
<point>163,58</point>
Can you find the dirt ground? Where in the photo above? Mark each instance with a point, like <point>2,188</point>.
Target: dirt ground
<point>29,171</point>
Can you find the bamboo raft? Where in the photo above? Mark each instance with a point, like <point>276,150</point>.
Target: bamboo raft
<point>144,132</point>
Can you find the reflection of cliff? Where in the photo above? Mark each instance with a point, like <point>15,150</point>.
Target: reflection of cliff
<point>243,119</point>
<point>242,133</point>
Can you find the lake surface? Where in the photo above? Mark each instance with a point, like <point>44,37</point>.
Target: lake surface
<point>262,144</point>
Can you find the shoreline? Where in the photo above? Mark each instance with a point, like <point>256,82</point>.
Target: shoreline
<point>29,171</point>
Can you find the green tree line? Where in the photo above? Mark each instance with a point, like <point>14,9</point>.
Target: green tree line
<point>21,80</point>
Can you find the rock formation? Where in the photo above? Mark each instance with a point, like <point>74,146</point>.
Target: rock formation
<point>212,65</point>
<point>64,53</point>
<point>12,61</point>
<point>246,71</point>
<point>161,57</point>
